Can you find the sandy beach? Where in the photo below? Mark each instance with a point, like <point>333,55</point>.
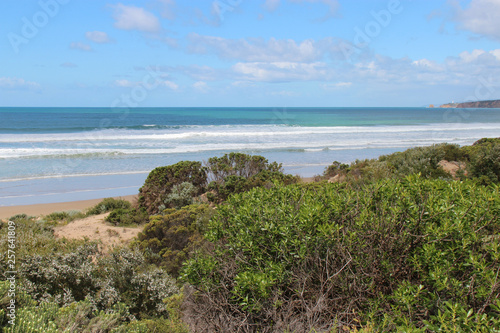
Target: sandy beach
<point>44,209</point>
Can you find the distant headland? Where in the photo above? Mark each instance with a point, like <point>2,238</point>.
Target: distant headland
<point>479,104</point>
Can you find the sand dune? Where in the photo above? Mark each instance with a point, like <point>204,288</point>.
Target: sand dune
<point>95,228</point>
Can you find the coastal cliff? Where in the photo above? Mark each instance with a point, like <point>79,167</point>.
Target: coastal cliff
<point>478,104</point>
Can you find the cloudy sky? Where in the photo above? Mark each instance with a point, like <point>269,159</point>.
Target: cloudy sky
<point>248,52</point>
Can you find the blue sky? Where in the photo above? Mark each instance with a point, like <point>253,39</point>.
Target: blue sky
<point>248,52</point>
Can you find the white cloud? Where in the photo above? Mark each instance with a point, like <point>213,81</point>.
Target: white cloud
<point>282,71</point>
<point>135,18</point>
<point>336,85</point>
<point>333,5</point>
<point>472,56</point>
<point>480,17</point>
<point>201,86</point>
<point>170,85</point>
<point>125,83</point>
<point>98,37</point>
<point>428,65</point>
<point>80,46</point>
<point>198,73</point>
<point>495,53</point>
<point>14,83</point>
<point>258,49</point>
<point>463,69</point>
<point>243,84</point>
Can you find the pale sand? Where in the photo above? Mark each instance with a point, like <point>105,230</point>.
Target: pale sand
<point>45,209</point>
<point>95,228</point>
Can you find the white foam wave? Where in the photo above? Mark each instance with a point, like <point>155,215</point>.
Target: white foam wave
<point>200,132</point>
<point>30,178</point>
<point>65,192</point>
<point>254,146</point>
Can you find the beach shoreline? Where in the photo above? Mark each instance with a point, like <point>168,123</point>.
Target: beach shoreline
<point>44,209</point>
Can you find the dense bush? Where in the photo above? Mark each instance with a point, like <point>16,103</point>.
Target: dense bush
<point>395,255</point>
<point>161,181</point>
<point>423,160</point>
<point>483,160</point>
<point>220,191</point>
<point>239,164</point>
<point>43,317</point>
<point>85,274</point>
<point>237,173</point>
<point>336,168</point>
<point>33,237</point>
<point>127,217</point>
<point>168,239</point>
<point>107,205</point>
<point>68,285</point>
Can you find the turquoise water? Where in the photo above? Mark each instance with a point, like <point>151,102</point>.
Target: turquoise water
<point>64,154</point>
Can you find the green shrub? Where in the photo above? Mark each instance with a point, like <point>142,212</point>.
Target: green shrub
<point>161,180</point>
<point>104,280</point>
<point>423,160</point>
<point>108,205</point>
<point>62,278</point>
<point>181,195</point>
<point>128,217</point>
<point>419,160</point>
<point>220,191</point>
<point>484,160</point>
<point>169,239</point>
<point>33,238</point>
<point>335,168</point>
<point>239,164</point>
<point>58,218</point>
<point>393,253</point>
<point>39,319</point>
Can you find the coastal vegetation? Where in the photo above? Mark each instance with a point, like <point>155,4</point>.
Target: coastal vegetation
<point>474,105</point>
<point>405,242</point>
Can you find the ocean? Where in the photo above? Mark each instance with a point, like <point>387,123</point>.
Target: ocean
<point>65,154</point>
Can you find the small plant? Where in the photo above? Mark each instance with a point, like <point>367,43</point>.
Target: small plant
<point>127,217</point>
<point>181,195</point>
<point>108,205</point>
<point>112,233</point>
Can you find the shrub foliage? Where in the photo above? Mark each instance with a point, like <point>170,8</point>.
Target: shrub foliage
<point>394,254</point>
<point>161,180</point>
<point>168,239</point>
